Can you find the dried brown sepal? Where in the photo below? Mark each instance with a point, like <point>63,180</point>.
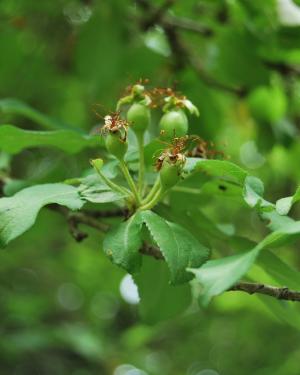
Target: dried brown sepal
<point>113,123</point>
<point>173,153</point>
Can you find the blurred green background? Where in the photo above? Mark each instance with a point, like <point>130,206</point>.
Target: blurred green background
<point>64,309</point>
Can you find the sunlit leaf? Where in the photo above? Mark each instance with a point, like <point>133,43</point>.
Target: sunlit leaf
<point>216,276</point>
<point>18,213</point>
<point>217,168</point>
<point>284,205</point>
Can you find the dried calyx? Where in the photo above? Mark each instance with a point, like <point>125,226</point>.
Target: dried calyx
<point>171,162</point>
<point>115,130</point>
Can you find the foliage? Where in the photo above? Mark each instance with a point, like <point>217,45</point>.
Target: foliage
<point>188,202</point>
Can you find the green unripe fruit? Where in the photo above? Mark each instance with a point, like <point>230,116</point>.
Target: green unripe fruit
<point>116,145</point>
<point>174,124</point>
<point>267,104</point>
<point>139,116</point>
<point>169,175</point>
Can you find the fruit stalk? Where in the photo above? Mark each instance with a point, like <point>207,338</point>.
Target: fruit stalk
<point>130,181</point>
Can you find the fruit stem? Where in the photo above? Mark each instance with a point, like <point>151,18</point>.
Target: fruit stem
<point>130,181</point>
<point>157,197</point>
<point>153,191</point>
<point>111,184</point>
<point>140,141</point>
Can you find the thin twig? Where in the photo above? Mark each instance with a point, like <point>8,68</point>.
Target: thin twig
<point>80,217</point>
<point>281,293</point>
<point>182,55</point>
<point>157,14</point>
<point>210,81</point>
<point>187,24</point>
<point>152,251</point>
<point>283,68</point>
<point>76,218</point>
<point>118,212</point>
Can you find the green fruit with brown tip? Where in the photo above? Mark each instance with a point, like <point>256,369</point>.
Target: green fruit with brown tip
<point>174,124</point>
<point>169,175</point>
<point>139,117</point>
<point>115,145</point>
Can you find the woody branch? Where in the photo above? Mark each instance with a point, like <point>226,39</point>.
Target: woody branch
<point>91,219</point>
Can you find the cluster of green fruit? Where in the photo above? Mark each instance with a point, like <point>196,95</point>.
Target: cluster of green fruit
<point>173,126</point>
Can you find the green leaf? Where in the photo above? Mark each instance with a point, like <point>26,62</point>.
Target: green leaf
<point>179,248</point>
<point>11,186</point>
<point>159,300</point>
<point>284,205</point>
<point>95,195</point>
<point>253,194</point>
<point>93,189</point>
<point>218,168</point>
<point>284,311</point>
<point>155,39</point>
<point>93,180</point>
<point>14,139</point>
<point>276,221</point>
<point>286,234</point>
<point>216,276</point>
<point>279,270</point>
<point>15,106</point>
<point>122,244</point>
<point>18,213</point>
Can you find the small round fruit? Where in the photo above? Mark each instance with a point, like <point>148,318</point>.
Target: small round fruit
<point>169,175</point>
<point>139,116</point>
<point>174,124</point>
<point>115,145</point>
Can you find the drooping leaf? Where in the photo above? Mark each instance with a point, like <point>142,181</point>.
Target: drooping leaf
<point>14,139</point>
<point>18,213</point>
<point>158,299</point>
<point>179,247</point>
<point>284,205</point>
<point>122,244</point>
<point>216,276</point>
